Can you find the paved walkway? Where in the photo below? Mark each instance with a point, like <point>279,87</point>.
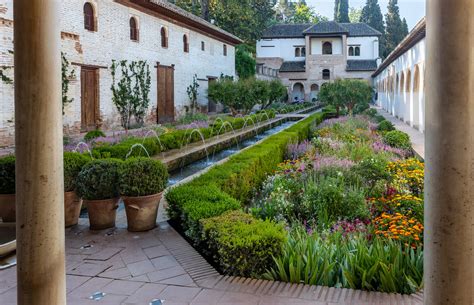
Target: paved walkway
<point>417,137</point>
<point>137,268</point>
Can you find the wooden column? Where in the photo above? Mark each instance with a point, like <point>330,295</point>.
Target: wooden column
<point>39,163</point>
<point>449,192</point>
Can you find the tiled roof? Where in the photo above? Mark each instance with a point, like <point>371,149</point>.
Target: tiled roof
<point>360,29</point>
<point>330,27</point>
<point>293,66</point>
<point>361,65</point>
<point>286,31</point>
<point>168,7</point>
<point>321,28</point>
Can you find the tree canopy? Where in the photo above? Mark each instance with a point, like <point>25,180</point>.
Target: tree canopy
<point>345,93</point>
<point>341,11</point>
<point>244,62</point>
<point>372,15</point>
<point>395,30</point>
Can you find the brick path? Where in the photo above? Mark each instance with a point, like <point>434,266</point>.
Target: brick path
<point>137,268</point>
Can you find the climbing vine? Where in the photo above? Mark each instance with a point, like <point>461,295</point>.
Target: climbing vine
<point>130,93</point>
<point>3,77</point>
<point>66,75</point>
<point>192,91</point>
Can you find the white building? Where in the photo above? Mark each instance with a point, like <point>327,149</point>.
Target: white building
<point>175,44</point>
<point>309,55</point>
<point>400,79</point>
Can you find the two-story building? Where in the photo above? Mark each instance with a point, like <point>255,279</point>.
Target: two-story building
<point>175,44</point>
<point>309,55</point>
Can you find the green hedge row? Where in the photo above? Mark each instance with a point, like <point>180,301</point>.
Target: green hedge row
<point>225,188</point>
<point>176,138</point>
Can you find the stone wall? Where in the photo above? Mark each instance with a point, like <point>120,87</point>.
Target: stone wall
<point>110,42</point>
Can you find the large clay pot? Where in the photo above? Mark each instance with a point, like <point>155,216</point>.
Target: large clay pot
<point>7,207</point>
<point>102,213</point>
<point>142,212</point>
<point>72,208</point>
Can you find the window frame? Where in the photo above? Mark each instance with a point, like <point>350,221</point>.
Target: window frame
<point>185,43</point>
<point>326,74</point>
<point>89,20</point>
<point>134,30</point>
<point>224,50</point>
<point>164,37</point>
<point>323,50</point>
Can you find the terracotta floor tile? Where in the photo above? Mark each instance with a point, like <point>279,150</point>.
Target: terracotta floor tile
<point>156,251</point>
<point>88,288</point>
<point>208,297</point>
<point>181,294</point>
<point>122,287</point>
<point>140,268</point>
<point>181,280</point>
<point>89,269</point>
<point>104,254</point>
<point>74,281</point>
<point>164,274</point>
<point>145,294</point>
<point>164,262</point>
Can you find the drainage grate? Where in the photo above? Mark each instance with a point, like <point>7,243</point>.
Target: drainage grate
<point>157,302</point>
<point>96,296</point>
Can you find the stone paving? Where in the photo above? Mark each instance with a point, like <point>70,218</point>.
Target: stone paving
<point>417,137</point>
<point>137,268</point>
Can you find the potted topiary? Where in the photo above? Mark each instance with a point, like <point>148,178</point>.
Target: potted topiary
<point>97,184</point>
<point>142,182</point>
<point>7,189</point>
<point>73,163</point>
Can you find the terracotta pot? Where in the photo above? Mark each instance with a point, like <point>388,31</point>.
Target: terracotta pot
<point>7,207</point>
<point>142,212</point>
<point>102,213</point>
<point>72,208</point>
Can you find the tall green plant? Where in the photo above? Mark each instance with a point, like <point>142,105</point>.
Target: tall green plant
<point>192,92</point>
<point>130,94</point>
<point>66,75</point>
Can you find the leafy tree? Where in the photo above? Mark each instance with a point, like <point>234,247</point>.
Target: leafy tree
<point>354,14</point>
<point>395,30</point>
<point>372,15</point>
<point>355,92</point>
<point>192,92</point>
<point>131,93</point>
<point>277,92</point>
<point>224,91</point>
<point>244,62</point>
<point>304,14</point>
<point>330,94</point>
<point>405,27</point>
<point>341,11</point>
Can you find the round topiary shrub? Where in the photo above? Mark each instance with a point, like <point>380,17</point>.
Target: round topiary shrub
<point>397,139</point>
<point>73,163</point>
<point>98,180</point>
<point>385,126</point>
<point>7,175</point>
<point>379,118</point>
<point>371,112</point>
<point>142,177</point>
<point>94,134</point>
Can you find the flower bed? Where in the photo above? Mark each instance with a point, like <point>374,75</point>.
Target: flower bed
<point>353,207</point>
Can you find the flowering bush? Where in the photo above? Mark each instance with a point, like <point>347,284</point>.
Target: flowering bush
<point>405,204</point>
<point>408,176</point>
<point>399,227</point>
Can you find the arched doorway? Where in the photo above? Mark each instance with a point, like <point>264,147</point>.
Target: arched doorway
<point>314,92</point>
<point>297,94</point>
<point>416,97</point>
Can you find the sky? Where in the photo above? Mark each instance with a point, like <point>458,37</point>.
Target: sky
<point>412,10</point>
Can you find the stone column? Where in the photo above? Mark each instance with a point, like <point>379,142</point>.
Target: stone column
<point>39,163</point>
<point>449,193</point>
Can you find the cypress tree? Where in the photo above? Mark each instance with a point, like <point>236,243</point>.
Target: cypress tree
<point>341,11</point>
<point>372,15</point>
<point>395,29</point>
<point>336,8</point>
<point>405,27</point>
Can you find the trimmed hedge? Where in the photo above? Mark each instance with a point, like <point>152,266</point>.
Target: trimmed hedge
<point>241,244</point>
<point>225,187</point>
<point>142,177</point>
<point>7,175</point>
<point>172,140</point>
<point>98,180</point>
<point>73,164</point>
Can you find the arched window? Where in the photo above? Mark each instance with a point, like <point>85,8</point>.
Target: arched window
<point>303,52</point>
<point>351,51</point>
<point>203,46</point>
<point>89,19</point>
<point>314,87</point>
<point>402,82</point>
<point>327,48</point>
<point>297,52</point>
<point>133,29</point>
<point>408,81</point>
<point>185,43</point>
<point>225,50</point>
<point>164,37</point>
<point>326,74</point>
<point>416,80</point>
<point>357,51</point>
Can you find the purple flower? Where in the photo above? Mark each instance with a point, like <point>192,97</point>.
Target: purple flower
<point>321,162</point>
<point>296,151</point>
<point>379,146</point>
<point>193,125</point>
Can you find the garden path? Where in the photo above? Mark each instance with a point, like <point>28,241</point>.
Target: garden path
<point>138,268</point>
<point>417,137</point>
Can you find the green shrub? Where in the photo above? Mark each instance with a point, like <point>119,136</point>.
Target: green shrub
<point>189,118</point>
<point>372,169</point>
<point>355,263</point>
<point>94,134</point>
<point>379,118</point>
<point>98,180</point>
<point>397,139</point>
<point>331,199</point>
<point>7,175</point>
<point>385,126</point>
<point>361,108</point>
<point>142,177</point>
<point>242,245</point>
<point>73,163</point>
<point>371,112</point>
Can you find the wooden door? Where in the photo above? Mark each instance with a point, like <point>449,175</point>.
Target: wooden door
<point>89,98</point>
<point>211,105</point>
<point>165,103</point>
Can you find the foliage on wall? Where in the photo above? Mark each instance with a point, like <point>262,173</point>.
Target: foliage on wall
<point>244,61</point>
<point>130,92</point>
<point>192,91</point>
<point>3,77</point>
<point>66,75</point>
